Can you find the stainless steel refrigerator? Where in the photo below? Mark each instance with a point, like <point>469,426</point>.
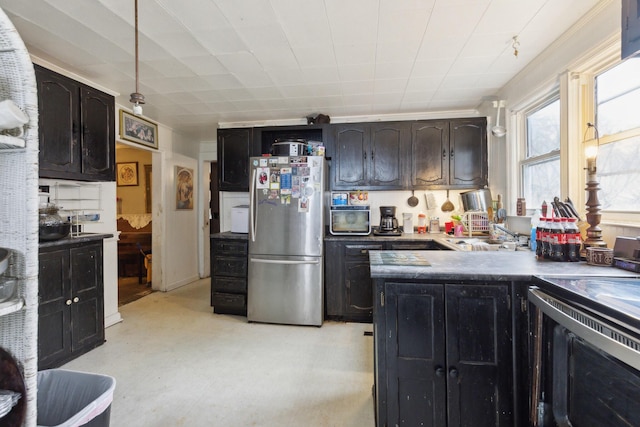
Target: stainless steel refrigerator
<point>286,230</point>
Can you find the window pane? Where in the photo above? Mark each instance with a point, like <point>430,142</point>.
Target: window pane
<point>618,98</point>
<point>618,176</point>
<point>543,130</point>
<point>541,182</point>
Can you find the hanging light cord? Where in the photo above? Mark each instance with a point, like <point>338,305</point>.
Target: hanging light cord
<point>136,24</point>
<point>137,98</point>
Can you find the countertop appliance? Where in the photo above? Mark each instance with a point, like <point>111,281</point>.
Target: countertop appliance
<point>586,358</point>
<point>350,214</point>
<point>388,222</point>
<point>240,219</point>
<point>350,220</point>
<point>286,231</point>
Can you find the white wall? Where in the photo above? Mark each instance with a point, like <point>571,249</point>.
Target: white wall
<point>208,154</point>
<point>176,240</point>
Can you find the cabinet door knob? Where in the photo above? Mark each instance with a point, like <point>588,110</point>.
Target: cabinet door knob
<point>364,251</point>
<point>451,153</point>
<point>440,371</point>
<point>453,373</point>
<point>444,153</point>
<point>68,302</point>
<point>76,299</point>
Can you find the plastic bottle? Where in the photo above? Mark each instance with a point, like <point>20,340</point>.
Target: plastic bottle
<point>574,241</point>
<point>556,239</point>
<point>539,231</point>
<point>533,239</point>
<point>422,223</point>
<point>544,238</point>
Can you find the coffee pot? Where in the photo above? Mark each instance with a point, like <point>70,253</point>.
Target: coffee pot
<point>388,221</point>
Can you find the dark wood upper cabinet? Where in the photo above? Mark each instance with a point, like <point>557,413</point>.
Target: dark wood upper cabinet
<point>430,153</point>
<point>468,152</point>
<point>76,129</point>
<point>235,146</point>
<point>369,155</point>
<point>449,153</point>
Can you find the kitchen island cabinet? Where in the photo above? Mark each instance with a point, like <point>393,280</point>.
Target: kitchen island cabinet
<point>453,325</point>
<point>77,129</point>
<point>448,358</point>
<point>71,294</point>
<point>348,290</point>
<point>229,266</point>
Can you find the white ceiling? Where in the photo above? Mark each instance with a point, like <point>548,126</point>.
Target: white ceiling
<point>204,62</point>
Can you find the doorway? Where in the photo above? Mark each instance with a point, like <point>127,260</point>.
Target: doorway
<point>134,205</point>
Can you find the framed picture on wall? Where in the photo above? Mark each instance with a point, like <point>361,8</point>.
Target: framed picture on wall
<point>184,188</point>
<point>127,174</point>
<point>137,129</point>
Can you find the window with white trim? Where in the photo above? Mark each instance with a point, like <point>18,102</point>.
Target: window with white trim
<point>540,165</point>
<point>617,102</point>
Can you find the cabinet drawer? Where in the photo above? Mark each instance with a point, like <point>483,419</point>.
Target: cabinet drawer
<point>230,266</point>
<point>412,246</point>
<point>230,247</point>
<point>361,251</point>
<point>224,303</point>
<point>229,284</point>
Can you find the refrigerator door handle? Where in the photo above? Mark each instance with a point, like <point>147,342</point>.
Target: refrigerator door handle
<point>252,205</point>
<point>279,261</point>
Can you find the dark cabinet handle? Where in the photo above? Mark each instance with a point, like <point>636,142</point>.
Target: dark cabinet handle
<point>451,154</point>
<point>440,371</point>
<point>364,154</point>
<point>364,251</point>
<point>453,373</point>
<point>373,155</point>
<point>444,153</point>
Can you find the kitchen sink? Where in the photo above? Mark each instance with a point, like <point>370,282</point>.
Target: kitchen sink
<point>480,244</point>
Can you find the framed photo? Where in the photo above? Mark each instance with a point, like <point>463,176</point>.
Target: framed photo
<point>137,129</point>
<point>184,188</point>
<point>127,174</point>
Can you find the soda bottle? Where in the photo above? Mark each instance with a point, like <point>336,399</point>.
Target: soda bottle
<point>555,236</point>
<point>574,241</point>
<point>546,238</point>
<point>539,230</point>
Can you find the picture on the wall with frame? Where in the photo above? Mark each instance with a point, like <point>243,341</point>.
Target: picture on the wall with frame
<point>184,188</point>
<point>137,129</point>
<point>127,174</point>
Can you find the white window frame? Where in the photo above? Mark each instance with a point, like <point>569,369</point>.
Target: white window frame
<point>523,161</point>
<point>587,104</point>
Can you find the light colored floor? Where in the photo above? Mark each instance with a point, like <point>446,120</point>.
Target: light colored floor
<point>178,364</point>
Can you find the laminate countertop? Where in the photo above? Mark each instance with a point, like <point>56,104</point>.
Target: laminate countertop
<point>70,240</point>
<point>479,265</point>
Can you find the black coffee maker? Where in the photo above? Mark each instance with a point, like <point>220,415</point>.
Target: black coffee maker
<point>388,222</point>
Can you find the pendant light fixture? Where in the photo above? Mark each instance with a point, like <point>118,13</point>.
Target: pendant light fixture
<point>497,130</point>
<point>137,99</point>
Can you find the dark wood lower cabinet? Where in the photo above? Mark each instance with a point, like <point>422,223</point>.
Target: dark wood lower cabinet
<point>229,275</point>
<point>349,292</point>
<point>443,354</point>
<point>71,302</point>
